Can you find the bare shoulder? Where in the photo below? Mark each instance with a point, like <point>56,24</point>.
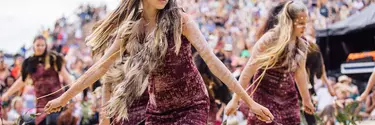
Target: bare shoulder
<point>185,18</point>
<point>267,37</point>
<point>188,23</point>
<point>265,41</point>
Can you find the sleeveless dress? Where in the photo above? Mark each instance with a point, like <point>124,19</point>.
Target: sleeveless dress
<point>278,93</point>
<point>137,111</point>
<point>45,81</point>
<point>177,92</point>
<point>277,90</point>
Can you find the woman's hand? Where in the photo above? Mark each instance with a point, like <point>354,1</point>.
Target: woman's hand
<point>261,112</point>
<point>308,107</point>
<point>231,108</point>
<point>54,105</point>
<point>362,97</point>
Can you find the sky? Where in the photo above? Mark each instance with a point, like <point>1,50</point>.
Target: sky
<point>20,20</point>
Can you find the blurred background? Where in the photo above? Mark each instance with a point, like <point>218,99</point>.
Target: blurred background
<point>343,29</point>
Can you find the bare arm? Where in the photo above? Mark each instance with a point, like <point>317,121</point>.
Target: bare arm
<point>192,32</point>
<point>106,95</point>
<point>301,80</point>
<point>250,68</point>
<point>370,84</point>
<point>93,73</point>
<point>14,88</point>
<point>327,82</point>
<point>246,75</point>
<point>369,107</point>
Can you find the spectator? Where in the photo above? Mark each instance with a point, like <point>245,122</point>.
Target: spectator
<point>4,71</point>
<point>16,109</point>
<point>78,68</point>
<point>345,86</point>
<point>16,67</point>
<point>7,83</point>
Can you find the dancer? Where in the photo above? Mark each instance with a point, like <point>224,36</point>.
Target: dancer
<point>314,61</point>
<point>114,76</point>
<point>270,22</point>
<point>154,40</point>
<point>43,68</point>
<point>278,60</point>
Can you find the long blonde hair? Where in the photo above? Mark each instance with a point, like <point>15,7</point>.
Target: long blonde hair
<point>140,53</point>
<point>278,50</point>
<point>283,31</point>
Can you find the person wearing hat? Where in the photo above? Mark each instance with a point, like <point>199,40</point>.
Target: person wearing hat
<point>345,84</point>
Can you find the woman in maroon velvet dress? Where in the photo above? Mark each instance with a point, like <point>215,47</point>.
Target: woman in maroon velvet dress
<point>137,112</point>
<point>278,60</point>
<point>43,69</point>
<point>154,41</point>
<point>114,76</point>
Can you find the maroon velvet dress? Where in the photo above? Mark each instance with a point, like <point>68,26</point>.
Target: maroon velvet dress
<point>278,93</point>
<point>137,111</point>
<point>213,110</point>
<point>178,94</point>
<point>277,90</point>
<point>45,82</point>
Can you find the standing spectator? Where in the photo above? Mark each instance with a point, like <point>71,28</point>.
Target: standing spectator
<point>16,67</point>
<point>4,71</point>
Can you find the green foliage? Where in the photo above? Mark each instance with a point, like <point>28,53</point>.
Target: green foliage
<point>347,115</point>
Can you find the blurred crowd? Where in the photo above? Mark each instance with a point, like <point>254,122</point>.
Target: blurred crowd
<point>67,39</point>
<point>230,27</point>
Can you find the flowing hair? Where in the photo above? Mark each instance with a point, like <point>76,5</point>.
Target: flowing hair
<point>140,53</point>
<point>271,20</point>
<point>283,31</point>
<point>282,35</point>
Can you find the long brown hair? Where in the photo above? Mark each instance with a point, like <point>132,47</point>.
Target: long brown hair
<point>141,53</point>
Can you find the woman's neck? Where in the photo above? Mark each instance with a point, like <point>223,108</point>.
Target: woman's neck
<point>293,38</point>
<point>149,14</point>
<point>38,54</point>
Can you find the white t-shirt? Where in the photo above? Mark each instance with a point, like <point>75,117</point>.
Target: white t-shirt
<point>324,98</point>
<point>358,4</point>
<point>13,115</point>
